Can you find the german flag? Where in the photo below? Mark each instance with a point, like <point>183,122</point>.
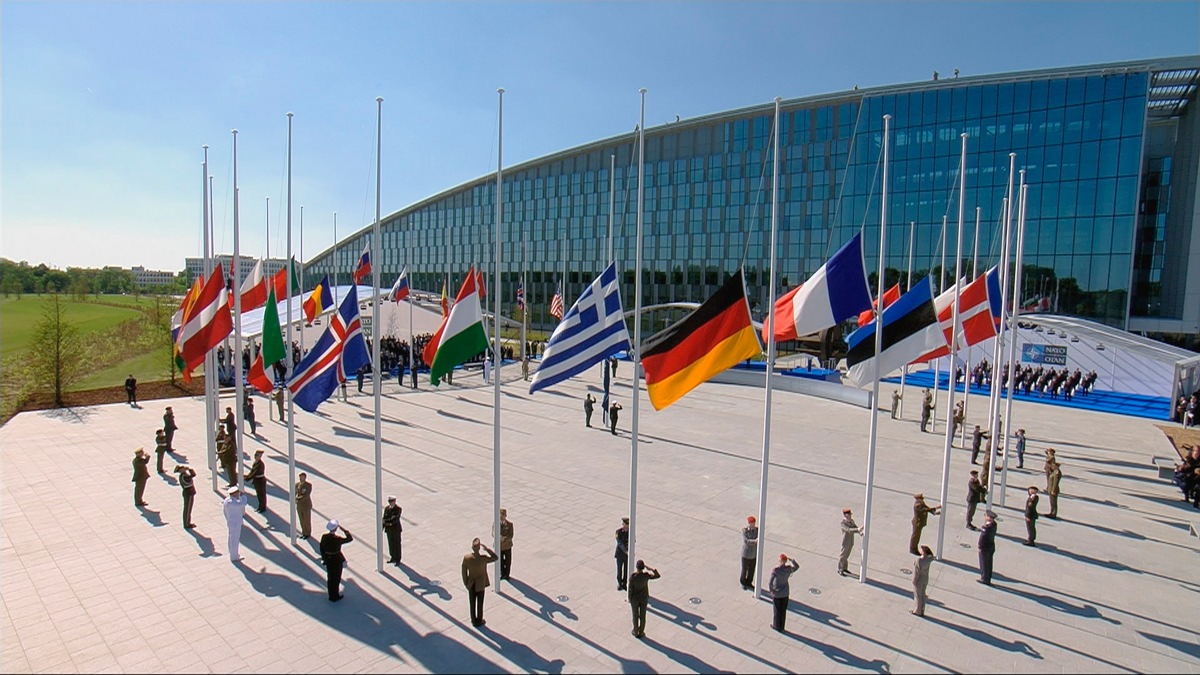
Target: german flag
<point>711,339</point>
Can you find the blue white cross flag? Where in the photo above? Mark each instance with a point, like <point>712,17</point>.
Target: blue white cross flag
<point>910,329</point>
<point>340,350</point>
<point>592,331</point>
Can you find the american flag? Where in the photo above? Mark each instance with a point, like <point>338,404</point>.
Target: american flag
<point>520,296</point>
<point>556,304</point>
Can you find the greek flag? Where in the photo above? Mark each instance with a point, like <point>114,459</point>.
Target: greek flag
<point>592,331</point>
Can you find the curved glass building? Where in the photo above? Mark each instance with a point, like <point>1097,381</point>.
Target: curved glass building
<point>1110,153</point>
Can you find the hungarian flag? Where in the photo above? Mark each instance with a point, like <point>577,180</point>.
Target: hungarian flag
<point>364,265</point>
<point>889,296</point>
<point>461,335</point>
<point>716,336</point>
<point>272,347</point>
<point>318,301</point>
<point>209,322</point>
<point>254,288</point>
<point>279,281</point>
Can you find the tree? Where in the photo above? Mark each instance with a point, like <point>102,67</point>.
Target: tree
<point>160,316</point>
<point>57,352</point>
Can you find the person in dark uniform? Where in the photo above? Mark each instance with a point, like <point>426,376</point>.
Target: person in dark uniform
<point>589,405</point>
<point>258,477</point>
<point>1053,477</point>
<point>975,496</point>
<point>248,415</point>
<point>1031,516</point>
<point>187,484</point>
<point>749,552</point>
<point>475,578</point>
<point>780,589</point>
<point>278,398</point>
<point>304,505</point>
<point>169,428</point>
<point>392,528</point>
<point>229,421</point>
<point>926,409</point>
<point>131,390</point>
<point>160,448</point>
<point>331,555</point>
<point>506,542</point>
<point>639,596</point>
<point>141,473</point>
<point>612,417</point>
<point>227,456</point>
<point>977,437</point>
<point>987,547</point>
<point>622,554</point>
<point>921,512</point>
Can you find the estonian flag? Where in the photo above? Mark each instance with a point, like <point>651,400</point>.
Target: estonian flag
<point>711,339</point>
<point>910,329</point>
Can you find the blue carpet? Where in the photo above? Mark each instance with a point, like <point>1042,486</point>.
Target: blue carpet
<point>1119,403</point>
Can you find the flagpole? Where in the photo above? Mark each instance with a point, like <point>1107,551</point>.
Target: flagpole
<point>524,301</point>
<point>300,327</point>
<point>212,393</point>
<point>637,340</point>
<point>496,331</point>
<point>335,260</point>
<point>612,202</point>
<point>766,450</point>
<point>237,328</point>
<point>862,576</point>
<point>291,425</point>
<point>998,351</point>
<point>954,327</point>
<point>1012,343</point>
<point>912,235</point>
<point>209,358</point>
<point>937,363</point>
<point>967,368</point>
<point>376,327</point>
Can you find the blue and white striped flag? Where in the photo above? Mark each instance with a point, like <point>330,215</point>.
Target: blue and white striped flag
<point>592,331</point>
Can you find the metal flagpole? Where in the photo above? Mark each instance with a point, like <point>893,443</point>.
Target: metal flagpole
<point>912,235</point>
<point>300,327</point>
<point>866,542</point>
<point>766,451</point>
<point>612,182</point>
<point>637,340</point>
<point>291,426</point>
<point>955,323</point>
<point>995,424</point>
<point>1012,341</point>
<point>524,301</point>
<point>376,329</point>
<point>237,329</point>
<point>967,371</point>
<point>210,360</point>
<point>496,329</point>
<point>335,260</point>
<point>937,363</point>
<point>213,394</point>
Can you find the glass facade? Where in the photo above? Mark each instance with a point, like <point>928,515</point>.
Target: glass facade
<point>1079,136</point>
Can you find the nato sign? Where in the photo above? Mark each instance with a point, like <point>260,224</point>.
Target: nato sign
<point>1051,355</point>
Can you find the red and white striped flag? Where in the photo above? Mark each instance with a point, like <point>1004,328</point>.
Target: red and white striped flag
<point>556,304</point>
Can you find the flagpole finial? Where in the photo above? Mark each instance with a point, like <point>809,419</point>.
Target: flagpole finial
<point>778,99</point>
<point>963,135</point>
<point>204,146</point>
<point>642,90</point>
<point>887,116</point>
<point>379,99</point>
<point>289,115</point>
<point>1012,155</point>
<point>235,132</point>
<point>500,90</point>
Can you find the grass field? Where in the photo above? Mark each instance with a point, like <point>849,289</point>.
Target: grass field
<point>18,318</point>
<point>146,368</point>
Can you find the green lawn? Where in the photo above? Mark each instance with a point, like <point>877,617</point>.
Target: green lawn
<point>146,368</point>
<point>18,317</point>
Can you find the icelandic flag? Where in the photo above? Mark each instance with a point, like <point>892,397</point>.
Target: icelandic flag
<point>834,293</point>
<point>400,288</point>
<point>340,350</point>
<point>910,328</point>
<point>364,265</point>
<point>592,330</point>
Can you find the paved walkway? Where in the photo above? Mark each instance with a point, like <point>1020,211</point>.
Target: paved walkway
<point>90,583</point>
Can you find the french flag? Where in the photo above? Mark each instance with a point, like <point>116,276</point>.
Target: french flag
<point>836,292</point>
<point>400,288</point>
<point>364,266</point>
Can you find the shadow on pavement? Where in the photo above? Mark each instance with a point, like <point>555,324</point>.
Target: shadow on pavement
<point>151,517</point>
<point>833,621</point>
<point>547,606</point>
<point>207,550</point>
<point>688,661</point>
<point>1018,646</point>
<point>839,655</point>
<point>522,654</point>
<point>694,622</point>
<point>1189,648</point>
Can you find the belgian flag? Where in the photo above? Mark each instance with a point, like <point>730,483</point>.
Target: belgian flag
<point>711,339</point>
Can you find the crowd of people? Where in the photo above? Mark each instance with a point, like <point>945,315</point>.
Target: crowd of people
<point>1185,410</point>
<point>1040,380</point>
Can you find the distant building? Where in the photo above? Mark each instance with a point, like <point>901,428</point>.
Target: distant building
<point>144,277</point>
<point>195,266</point>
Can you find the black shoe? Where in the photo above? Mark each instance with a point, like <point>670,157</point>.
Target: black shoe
<point>337,598</point>
<point>141,503</point>
<point>391,561</point>
<point>972,528</point>
<point>841,573</point>
<point>481,623</point>
<point>1028,543</point>
<point>189,526</point>
<point>981,581</point>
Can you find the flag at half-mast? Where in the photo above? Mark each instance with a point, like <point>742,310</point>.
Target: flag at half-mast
<point>318,301</point>
<point>340,350</point>
<point>910,328</point>
<point>461,336</point>
<point>254,288</point>
<point>592,331</point>
<point>363,268</point>
<point>279,281</point>
<point>835,292</point>
<point>272,350</point>
<point>716,336</point>
<point>889,296</point>
<point>400,288</point>
<point>978,314</point>
<point>520,295</point>
<point>208,323</point>
<point>556,303</point>
<point>431,347</point>
<point>178,318</point>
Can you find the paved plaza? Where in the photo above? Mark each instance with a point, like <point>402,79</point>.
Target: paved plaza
<point>92,584</point>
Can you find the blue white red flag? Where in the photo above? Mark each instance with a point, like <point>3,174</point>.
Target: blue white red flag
<point>400,288</point>
<point>520,296</point>
<point>364,266</point>
<point>834,293</point>
<point>340,350</point>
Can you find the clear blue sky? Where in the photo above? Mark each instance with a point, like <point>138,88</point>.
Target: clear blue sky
<point>106,104</point>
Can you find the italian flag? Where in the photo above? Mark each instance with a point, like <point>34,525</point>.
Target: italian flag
<point>461,336</point>
<point>272,347</point>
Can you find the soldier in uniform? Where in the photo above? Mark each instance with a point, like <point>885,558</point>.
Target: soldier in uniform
<point>229,421</point>
<point>278,398</point>
<point>304,505</point>
<point>169,428</point>
<point>392,528</point>
<point>749,552</point>
<point>234,508</point>
<point>475,578</point>
<point>849,529</point>
<point>921,513</point>
<point>227,455</point>
<point>331,555</point>
<point>1053,476</point>
<point>258,477</point>
<point>975,496</point>
<point>622,554</point>
<point>781,589</point>
<point>987,547</point>
<point>926,409</point>
<point>896,397</point>
<point>141,473</point>
<point>187,484</point>
<point>131,390</point>
<point>977,437</point>
<point>612,417</point>
<point>160,448</point>
<point>506,542</point>
<point>1031,516</point>
<point>920,579</point>
<point>589,405</point>
<point>639,596</point>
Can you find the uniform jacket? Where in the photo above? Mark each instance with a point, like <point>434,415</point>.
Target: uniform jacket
<point>141,470</point>
<point>780,584</point>
<point>331,547</point>
<point>975,491</point>
<point>1031,507</point>
<point>622,543</point>
<point>474,570</point>
<point>921,512</point>
<point>987,536</point>
<point>750,542</point>
<point>258,471</point>
<point>920,575</point>
<point>391,518</point>
<point>303,492</point>
<point>639,585</point>
<point>849,529</point>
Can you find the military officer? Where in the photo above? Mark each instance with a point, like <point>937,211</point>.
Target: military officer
<point>921,512</point>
